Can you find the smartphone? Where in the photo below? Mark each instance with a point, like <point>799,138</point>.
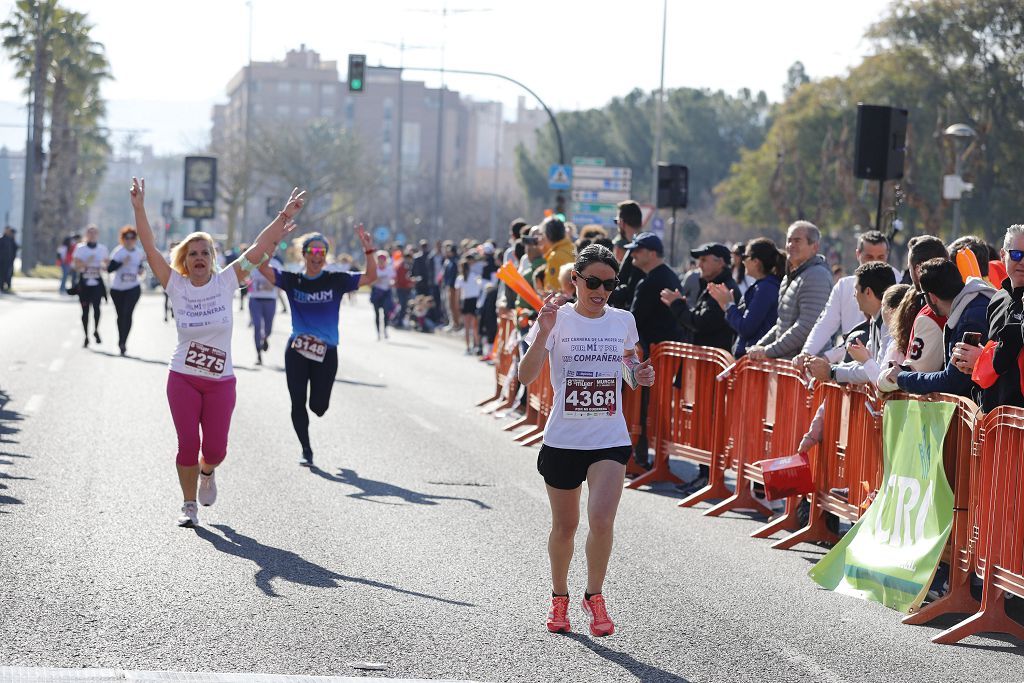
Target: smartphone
<point>972,338</point>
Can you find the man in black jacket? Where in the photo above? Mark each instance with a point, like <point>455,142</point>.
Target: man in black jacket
<point>704,318</point>
<point>629,220</point>
<point>654,322</point>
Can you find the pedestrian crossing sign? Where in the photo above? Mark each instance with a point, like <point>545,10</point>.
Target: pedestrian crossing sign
<point>560,177</point>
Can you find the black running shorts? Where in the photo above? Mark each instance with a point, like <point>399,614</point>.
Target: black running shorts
<point>566,468</point>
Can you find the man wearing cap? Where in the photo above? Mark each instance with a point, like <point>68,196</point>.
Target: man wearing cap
<point>654,321</point>
<point>706,318</point>
<point>802,295</point>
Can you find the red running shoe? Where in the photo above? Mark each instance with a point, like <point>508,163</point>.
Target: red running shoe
<point>558,616</point>
<point>600,623</point>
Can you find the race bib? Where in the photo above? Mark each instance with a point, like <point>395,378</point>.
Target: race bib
<point>127,276</point>
<point>587,397</point>
<point>92,273</point>
<point>310,347</point>
<point>207,360</point>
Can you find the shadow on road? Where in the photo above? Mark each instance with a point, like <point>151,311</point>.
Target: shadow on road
<point>277,563</point>
<point>372,489</point>
<point>338,380</point>
<point>643,672</point>
<point>9,425</point>
<point>137,359</point>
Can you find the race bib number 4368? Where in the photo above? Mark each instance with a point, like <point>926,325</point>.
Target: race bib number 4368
<point>587,397</point>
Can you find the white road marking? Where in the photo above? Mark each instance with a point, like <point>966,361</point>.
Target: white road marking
<point>57,365</point>
<point>35,401</point>
<point>66,345</point>
<point>429,426</point>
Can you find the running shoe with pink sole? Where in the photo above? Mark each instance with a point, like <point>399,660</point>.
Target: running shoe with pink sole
<point>558,616</point>
<point>600,623</point>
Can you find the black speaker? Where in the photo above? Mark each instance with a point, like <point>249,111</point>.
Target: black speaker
<point>673,186</point>
<point>881,142</point>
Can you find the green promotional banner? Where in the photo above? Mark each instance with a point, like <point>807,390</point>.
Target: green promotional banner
<point>891,553</point>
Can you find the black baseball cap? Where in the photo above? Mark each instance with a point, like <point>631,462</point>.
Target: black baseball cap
<point>646,240</point>
<point>712,249</point>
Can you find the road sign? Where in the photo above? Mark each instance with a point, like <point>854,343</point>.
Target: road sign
<point>646,211</point>
<point>381,233</point>
<point>594,207</point>
<point>599,196</point>
<point>400,238</point>
<point>618,172</point>
<point>658,224</point>
<point>559,177</point>
<point>599,184</point>
<point>197,211</point>
<point>587,161</point>
<point>587,218</point>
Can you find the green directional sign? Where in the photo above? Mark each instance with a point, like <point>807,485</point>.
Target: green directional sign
<point>588,161</point>
<point>594,207</point>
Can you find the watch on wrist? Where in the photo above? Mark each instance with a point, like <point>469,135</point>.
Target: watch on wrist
<point>832,372</point>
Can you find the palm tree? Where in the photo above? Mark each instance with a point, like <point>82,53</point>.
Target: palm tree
<point>78,68</point>
<point>28,35</point>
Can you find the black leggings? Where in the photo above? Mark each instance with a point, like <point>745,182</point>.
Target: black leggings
<point>124,304</point>
<point>90,295</point>
<point>302,372</point>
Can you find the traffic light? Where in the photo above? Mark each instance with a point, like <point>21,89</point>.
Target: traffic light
<point>673,186</point>
<point>356,73</point>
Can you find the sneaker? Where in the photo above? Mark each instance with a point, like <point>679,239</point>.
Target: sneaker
<point>96,336</point>
<point>124,351</point>
<point>189,515</point>
<point>266,345</point>
<point>558,615</point>
<point>840,492</point>
<point>307,458</point>
<point>690,487</point>
<point>600,623</point>
<point>207,489</point>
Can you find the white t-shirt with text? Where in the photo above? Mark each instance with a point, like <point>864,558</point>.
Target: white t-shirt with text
<point>585,356</point>
<point>128,276</point>
<point>93,258</point>
<point>203,316</point>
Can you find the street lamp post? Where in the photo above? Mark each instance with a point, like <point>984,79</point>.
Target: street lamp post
<point>954,190</point>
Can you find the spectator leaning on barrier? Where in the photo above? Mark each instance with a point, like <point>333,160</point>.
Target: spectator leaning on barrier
<point>871,282</point>
<point>628,220</point>
<point>705,318</point>
<point>558,250</point>
<point>926,352</point>
<point>841,313</point>
<point>964,306</point>
<point>758,310</point>
<point>1005,327</point>
<point>802,295</point>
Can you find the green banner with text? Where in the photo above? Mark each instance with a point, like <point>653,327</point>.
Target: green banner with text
<point>891,553</point>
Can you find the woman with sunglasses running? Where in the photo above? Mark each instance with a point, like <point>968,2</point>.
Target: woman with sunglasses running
<point>311,357</point>
<point>126,271</point>
<point>201,381</point>
<point>587,344</point>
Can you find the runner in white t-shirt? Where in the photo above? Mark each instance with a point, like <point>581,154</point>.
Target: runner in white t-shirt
<point>90,259</point>
<point>585,439</point>
<point>201,382</point>
<point>126,272</point>
<point>262,306</point>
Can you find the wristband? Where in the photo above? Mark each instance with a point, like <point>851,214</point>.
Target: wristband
<point>832,372</point>
<point>369,251</point>
<point>248,266</point>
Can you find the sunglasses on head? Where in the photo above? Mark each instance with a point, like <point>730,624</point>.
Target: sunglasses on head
<point>316,251</point>
<point>1015,254</point>
<point>595,282</point>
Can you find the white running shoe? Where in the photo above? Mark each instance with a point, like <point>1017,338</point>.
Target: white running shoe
<point>207,489</point>
<point>189,515</point>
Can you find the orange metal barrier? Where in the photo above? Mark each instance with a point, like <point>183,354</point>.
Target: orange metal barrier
<point>999,529</point>
<point>767,411</point>
<point>847,463</point>
<point>540,397</point>
<point>685,413</point>
<point>505,354</point>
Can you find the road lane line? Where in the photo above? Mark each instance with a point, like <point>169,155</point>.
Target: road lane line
<point>66,345</point>
<point>35,401</point>
<point>429,426</point>
<point>57,365</point>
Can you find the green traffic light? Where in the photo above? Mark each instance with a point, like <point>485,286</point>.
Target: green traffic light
<point>357,84</point>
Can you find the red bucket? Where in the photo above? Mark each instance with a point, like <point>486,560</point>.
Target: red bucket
<point>788,476</point>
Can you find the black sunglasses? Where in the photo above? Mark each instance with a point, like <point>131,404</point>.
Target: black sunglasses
<point>595,282</point>
<point>1015,254</point>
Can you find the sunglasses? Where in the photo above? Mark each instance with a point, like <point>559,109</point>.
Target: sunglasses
<point>130,237</point>
<point>595,282</point>
<point>1016,254</point>
<point>316,251</point>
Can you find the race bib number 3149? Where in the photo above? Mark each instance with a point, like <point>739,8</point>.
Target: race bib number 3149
<point>588,397</point>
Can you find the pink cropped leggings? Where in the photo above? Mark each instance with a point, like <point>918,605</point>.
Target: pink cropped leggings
<point>200,402</point>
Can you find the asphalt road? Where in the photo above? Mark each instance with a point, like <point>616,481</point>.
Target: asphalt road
<point>418,542</point>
